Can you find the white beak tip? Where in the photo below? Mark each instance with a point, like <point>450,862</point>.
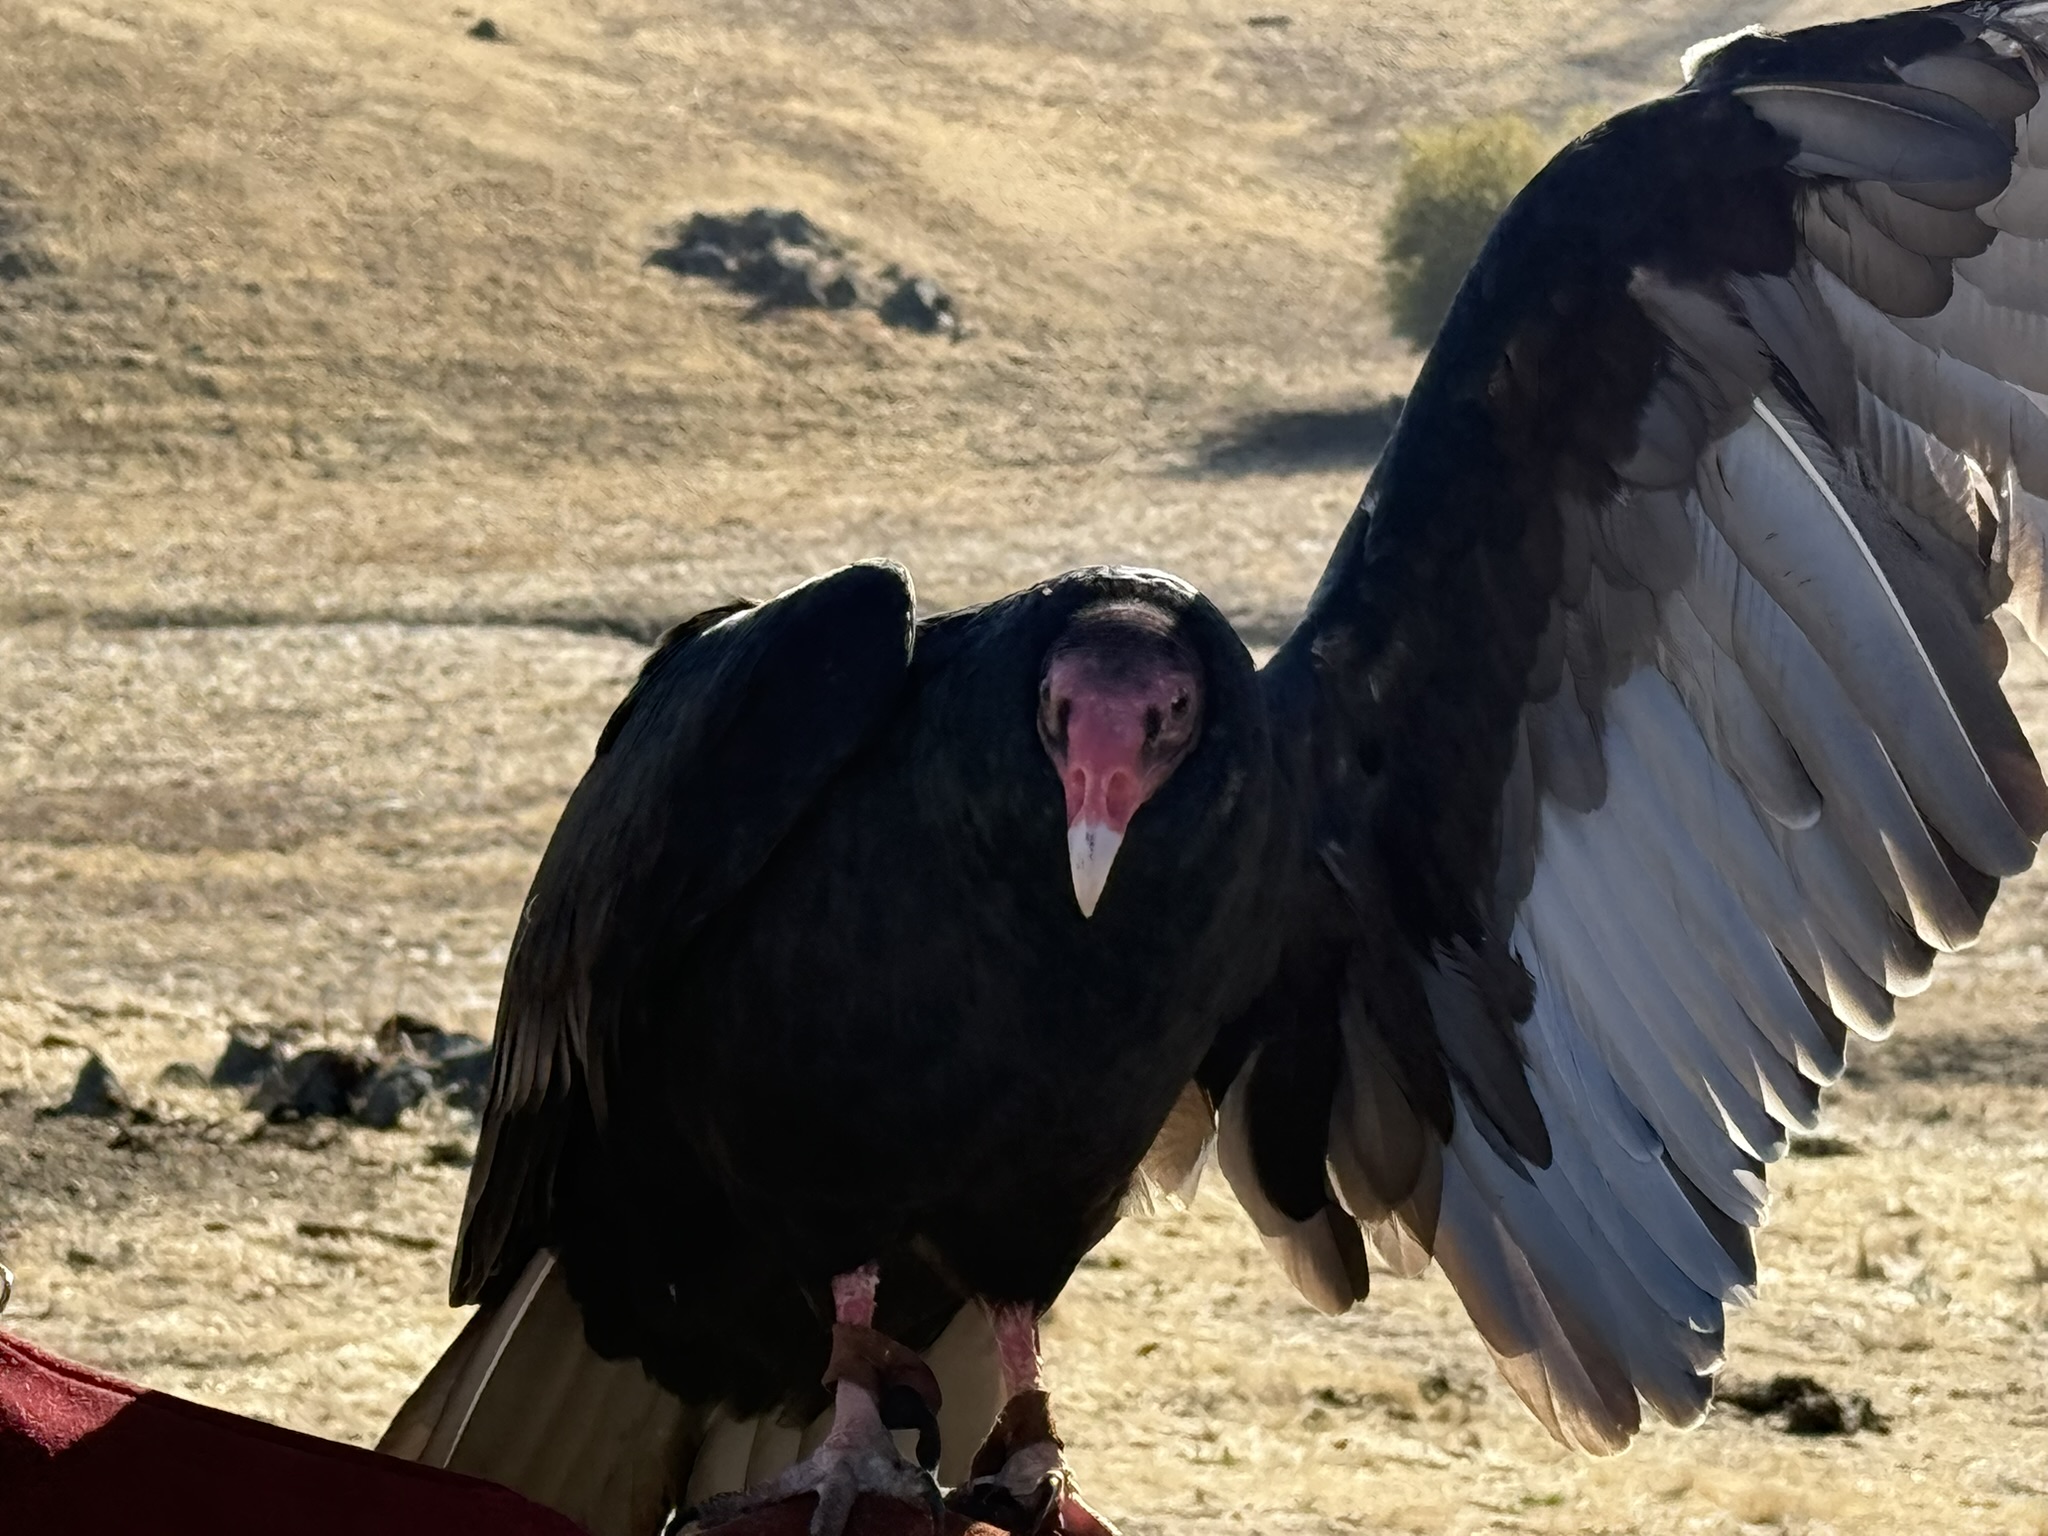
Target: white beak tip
<point>1091,849</point>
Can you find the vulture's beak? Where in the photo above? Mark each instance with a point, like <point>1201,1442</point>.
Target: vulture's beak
<point>1091,849</point>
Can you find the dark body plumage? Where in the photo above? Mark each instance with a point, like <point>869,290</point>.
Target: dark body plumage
<point>896,1038</point>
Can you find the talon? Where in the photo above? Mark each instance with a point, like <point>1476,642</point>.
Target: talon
<point>835,1503</point>
<point>1019,1481</point>
<point>878,1385</point>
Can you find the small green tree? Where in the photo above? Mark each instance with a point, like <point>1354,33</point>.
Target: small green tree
<point>1454,185</point>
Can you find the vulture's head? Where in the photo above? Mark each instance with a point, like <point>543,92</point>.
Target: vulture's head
<point>1120,705</point>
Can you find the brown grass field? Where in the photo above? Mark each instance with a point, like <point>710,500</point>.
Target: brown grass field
<point>341,417</point>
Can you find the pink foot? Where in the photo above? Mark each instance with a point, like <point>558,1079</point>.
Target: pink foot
<point>858,1456</point>
<point>1020,1481</point>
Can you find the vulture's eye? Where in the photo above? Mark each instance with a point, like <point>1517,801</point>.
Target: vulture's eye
<point>1180,705</point>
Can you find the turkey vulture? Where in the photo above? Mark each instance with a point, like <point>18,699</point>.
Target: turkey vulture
<point>864,944</point>
<point>1642,741</point>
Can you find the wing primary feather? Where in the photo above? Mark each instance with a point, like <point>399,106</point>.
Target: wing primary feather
<point>1678,1103</point>
<point>1726,711</point>
<point>1845,760</point>
<point>1707,846</point>
<point>1615,1159</point>
<point>1822,572</point>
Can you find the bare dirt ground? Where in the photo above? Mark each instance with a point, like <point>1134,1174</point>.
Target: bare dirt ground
<point>343,437</point>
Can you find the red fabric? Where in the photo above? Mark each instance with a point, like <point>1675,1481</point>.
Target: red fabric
<point>82,1454</point>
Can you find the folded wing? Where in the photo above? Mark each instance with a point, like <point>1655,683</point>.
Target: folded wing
<point>738,720</point>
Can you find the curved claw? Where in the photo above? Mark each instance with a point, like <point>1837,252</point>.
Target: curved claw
<point>878,1385</point>
<point>858,1456</point>
<point>838,1481</point>
<point>845,1484</point>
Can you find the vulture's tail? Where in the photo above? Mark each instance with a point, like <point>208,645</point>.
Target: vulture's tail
<point>520,1398</point>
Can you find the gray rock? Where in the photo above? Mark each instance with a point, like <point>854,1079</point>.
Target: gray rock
<point>407,1034</point>
<point>251,1056</point>
<point>313,1083</point>
<point>919,304</point>
<point>97,1093</point>
<point>754,230</point>
<point>786,262</point>
<point>847,288</point>
<point>783,277</point>
<point>465,1076</point>
<point>182,1074</point>
<point>727,246</point>
<point>389,1092</point>
<point>456,1063</point>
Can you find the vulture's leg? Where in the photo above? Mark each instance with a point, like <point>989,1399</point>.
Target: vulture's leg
<point>1020,1480</point>
<point>857,1455</point>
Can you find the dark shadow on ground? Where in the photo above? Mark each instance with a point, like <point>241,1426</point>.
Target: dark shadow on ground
<point>1259,627</point>
<point>641,627</point>
<point>1293,442</point>
<point>2013,1058</point>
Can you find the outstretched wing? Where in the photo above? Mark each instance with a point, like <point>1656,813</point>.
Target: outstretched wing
<point>1653,698</point>
<point>736,723</point>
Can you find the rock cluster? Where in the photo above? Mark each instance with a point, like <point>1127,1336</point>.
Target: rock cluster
<point>288,1077</point>
<point>406,1062</point>
<point>784,261</point>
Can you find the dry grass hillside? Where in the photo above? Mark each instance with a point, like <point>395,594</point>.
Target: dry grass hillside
<point>348,314</point>
<point>343,433</point>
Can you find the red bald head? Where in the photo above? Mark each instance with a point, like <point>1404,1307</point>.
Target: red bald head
<point>1119,707</point>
